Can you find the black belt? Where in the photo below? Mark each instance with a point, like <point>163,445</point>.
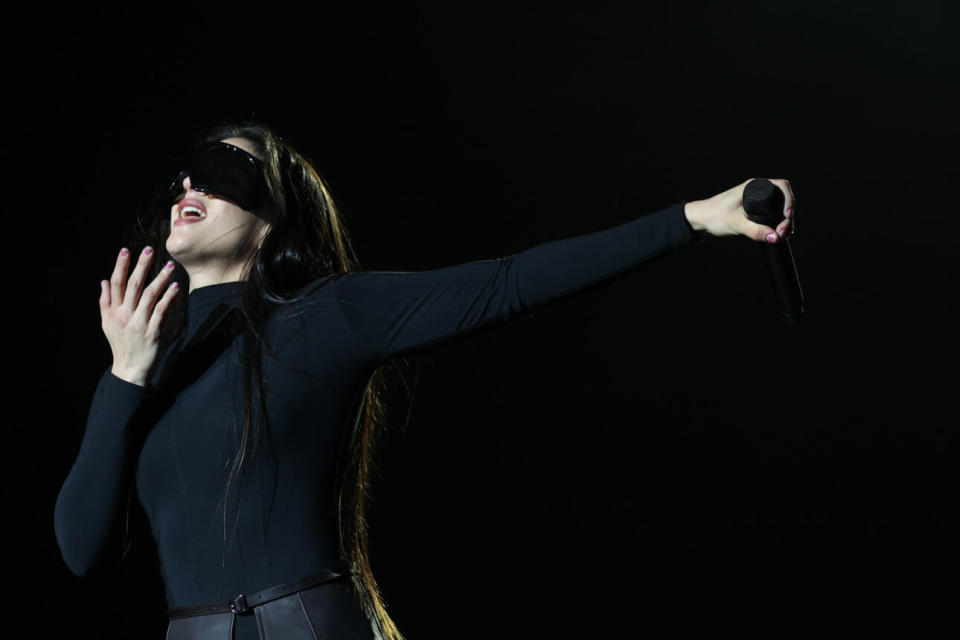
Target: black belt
<point>244,604</point>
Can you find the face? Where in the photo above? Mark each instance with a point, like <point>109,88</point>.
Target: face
<point>213,246</point>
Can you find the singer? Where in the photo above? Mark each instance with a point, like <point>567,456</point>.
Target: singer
<point>245,393</point>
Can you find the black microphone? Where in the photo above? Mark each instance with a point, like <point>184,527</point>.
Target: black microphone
<point>763,203</point>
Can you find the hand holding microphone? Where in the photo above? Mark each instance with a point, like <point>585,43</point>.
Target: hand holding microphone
<point>762,210</point>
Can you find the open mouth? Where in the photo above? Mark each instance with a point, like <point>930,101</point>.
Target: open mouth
<point>192,211</point>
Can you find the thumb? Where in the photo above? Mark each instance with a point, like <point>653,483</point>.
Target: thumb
<point>758,232</point>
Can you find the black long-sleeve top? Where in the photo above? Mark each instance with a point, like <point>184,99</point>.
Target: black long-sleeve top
<point>328,343</point>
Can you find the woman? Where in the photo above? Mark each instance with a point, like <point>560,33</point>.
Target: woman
<point>244,413</point>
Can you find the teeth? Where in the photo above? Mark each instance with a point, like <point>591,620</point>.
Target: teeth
<point>187,209</point>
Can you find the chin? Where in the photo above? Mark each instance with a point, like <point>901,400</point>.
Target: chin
<point>174,246</point>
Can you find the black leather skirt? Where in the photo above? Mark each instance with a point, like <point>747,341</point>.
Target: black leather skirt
<point>327,611</point>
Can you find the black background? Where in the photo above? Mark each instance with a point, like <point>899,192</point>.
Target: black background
<point>654,453</point>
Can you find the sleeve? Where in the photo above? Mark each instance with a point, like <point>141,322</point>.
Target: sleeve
<point>94,491</point>
<point>400,311</point>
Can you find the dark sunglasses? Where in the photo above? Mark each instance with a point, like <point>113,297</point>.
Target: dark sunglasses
<point>221,169</point>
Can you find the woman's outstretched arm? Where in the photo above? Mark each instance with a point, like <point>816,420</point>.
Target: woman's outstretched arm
<point>92,494</point>
<point>401,311</point>
<point>395,312</point>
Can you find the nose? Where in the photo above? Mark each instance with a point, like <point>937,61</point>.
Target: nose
<point>180,185</point>
<point>187,187</point>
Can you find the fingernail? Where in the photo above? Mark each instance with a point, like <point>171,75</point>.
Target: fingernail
<point>772,237</point>
<point>789,212</point>
<point>147,251</point>
<point>124,252</point>
<point>169,265</point>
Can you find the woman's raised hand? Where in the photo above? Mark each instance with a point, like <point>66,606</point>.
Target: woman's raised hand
<point>723,214</point>
<point>131,320</point>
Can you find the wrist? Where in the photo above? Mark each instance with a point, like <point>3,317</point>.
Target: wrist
<point>134,377</point>
<point>693,211</point>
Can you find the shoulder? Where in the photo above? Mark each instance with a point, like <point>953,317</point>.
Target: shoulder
<point>323,292</point>
<point>344,285</point>
<point>319,287</point>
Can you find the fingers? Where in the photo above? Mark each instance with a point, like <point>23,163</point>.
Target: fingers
<point>784,227</point>
<point>789,202</point>
<point>104,299</point>
<point>148,298</point>
<point>159,311</point>
<point>763,233</point>
<point>759,232</point>
<point>131,296</point>
<point>118,279</point>
<point>121,292</point>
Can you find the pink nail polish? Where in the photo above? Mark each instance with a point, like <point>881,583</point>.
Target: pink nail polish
<point>124,252</point>
<point>147,251</point>
<point>772,237</point>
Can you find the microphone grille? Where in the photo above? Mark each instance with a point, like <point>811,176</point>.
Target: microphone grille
<point>763,202</point>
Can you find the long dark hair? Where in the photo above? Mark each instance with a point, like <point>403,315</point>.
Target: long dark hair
<point>306,241</point>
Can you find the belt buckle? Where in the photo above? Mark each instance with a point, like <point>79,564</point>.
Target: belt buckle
<point>239,604</point>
